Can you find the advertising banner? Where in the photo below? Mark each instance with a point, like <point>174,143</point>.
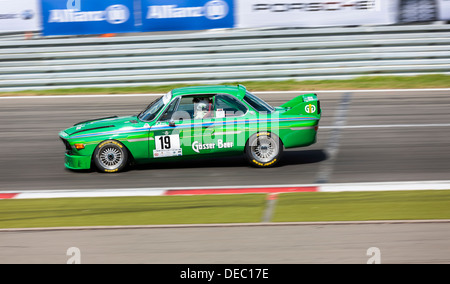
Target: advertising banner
<point>315,13</point>
<point>444,10</point>
<point>172,15</point>
<point>19,16</point>
<point>75,17</point>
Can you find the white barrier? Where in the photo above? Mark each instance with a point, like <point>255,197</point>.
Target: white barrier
<point>225,56</point>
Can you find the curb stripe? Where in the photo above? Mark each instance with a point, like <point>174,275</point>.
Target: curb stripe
<point>8,195</point>
<point>242,190</point>
<point>270,189</point>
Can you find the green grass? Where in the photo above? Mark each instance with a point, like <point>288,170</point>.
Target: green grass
<point>374,82</point>
<point>110,211</point>
<point>242,208</point>
<point>361,206</point>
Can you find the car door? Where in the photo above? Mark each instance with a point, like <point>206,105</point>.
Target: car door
<point>230,124</point>
<point>199,128</point>
<point>165,137</point>
<point>180,129</point>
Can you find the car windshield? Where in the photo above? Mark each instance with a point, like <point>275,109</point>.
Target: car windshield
<point>154,108</point>
<point>257,103</point>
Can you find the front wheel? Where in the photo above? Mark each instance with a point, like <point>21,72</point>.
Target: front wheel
<point>110,156</point>
<point>263,149</point>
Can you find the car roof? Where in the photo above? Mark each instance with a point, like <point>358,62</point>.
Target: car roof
<point>236,91</point>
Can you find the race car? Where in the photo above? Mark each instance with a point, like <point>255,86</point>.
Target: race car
<point>194,122</point>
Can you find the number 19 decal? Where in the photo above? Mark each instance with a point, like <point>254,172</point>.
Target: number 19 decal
<point>164,142</point>
<point>167,146</point>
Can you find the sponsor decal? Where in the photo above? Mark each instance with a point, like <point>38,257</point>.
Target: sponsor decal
<point>27,14</point>
<point>8,16</point>
<point>310,108</point>
<point>264,164</point>
<point>315,6</point>
<point>24,15</point>
<point>197,146</point>
<point>311,13</point>
<point>213,10</point>
<point>73,17</point>
<point>167,153</point>
<point>308,99</point>
<point>20,16</point>
<point>108,142</point>
<point>114,14</point>
<point>167,15</point>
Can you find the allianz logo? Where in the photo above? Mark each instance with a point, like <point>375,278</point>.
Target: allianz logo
<point>213,10</point>
<point>114,14</point>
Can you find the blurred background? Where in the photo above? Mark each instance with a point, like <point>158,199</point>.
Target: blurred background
<point>48,44</point>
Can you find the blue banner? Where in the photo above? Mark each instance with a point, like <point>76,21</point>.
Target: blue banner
<point>171,15</point>
<point>76,17</point>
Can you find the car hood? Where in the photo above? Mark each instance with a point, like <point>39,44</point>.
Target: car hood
<point>99,124</point>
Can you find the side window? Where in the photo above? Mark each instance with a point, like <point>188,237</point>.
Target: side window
<point>194,107</point>
<point>203,107</point>
<point>167,115</point>
<point>228,106</point>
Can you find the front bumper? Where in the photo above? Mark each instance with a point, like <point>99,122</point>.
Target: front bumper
<point>74,162</point>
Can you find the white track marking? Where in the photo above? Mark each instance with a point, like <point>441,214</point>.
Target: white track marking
<point>332,148</point>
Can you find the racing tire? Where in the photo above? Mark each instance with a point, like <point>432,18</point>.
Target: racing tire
<point>263,149</point>
<point>110,156</point>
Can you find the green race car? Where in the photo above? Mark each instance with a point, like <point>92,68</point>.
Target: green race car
<point>193,122</point>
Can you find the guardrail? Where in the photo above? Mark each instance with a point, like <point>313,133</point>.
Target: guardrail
<point>224,56</point>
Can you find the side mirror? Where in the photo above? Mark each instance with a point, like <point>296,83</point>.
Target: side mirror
<point>172,123</point>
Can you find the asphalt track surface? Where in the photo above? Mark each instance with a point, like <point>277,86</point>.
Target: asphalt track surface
<point>364,137</point>
<point>409,141</point>
<point>350,243</point>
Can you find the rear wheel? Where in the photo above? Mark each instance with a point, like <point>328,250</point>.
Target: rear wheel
<point>110,156</point>
<point>263,149</point>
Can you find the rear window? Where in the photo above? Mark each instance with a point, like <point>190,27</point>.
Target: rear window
<point>229,106</point>
<point>257,103</point>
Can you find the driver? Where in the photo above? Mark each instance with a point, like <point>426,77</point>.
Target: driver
<point>202,107</point>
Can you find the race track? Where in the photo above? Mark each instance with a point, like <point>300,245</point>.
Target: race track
<point>363,137</point>
<point>350,243</point>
